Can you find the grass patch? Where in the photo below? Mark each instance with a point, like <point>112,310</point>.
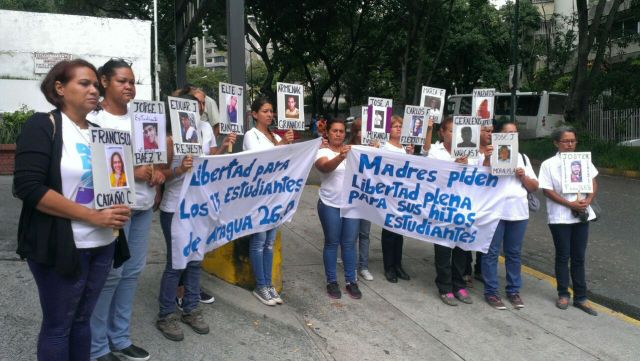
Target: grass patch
<point>604,154</point>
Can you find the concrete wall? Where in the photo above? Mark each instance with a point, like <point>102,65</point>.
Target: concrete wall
<point>94,39</point>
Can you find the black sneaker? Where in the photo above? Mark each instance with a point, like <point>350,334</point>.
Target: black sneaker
<point>205,297</point>
<point>354,291</point>
<point>133,353</point>
<point>109,357</point>
<point>179,303</point>
<point>333,290</point>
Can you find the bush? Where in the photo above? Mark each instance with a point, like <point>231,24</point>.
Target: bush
<point>603,154</point>
<point>11,124</point>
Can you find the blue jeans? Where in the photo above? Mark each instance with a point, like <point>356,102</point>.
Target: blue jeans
<point>338,231</point>
<point>261,256</point>
<point>570,241</point>
<point>509,234</point>
<point>112,315</point>
<point>171,277</point>
<point>363,244</point>
<point>67,303</point>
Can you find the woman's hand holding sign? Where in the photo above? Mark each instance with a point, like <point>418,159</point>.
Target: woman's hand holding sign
<point>114,217</point>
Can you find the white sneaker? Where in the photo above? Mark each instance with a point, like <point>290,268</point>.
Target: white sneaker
<point>366,275</point>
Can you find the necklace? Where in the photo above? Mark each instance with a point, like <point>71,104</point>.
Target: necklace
<point>84,133</point>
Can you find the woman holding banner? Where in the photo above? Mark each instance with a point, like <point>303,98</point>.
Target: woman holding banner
<point>260,137</point>
<point>510,232</point>
<point>450,263</point>
<point>338,231</point>
<point>67,243</point>
<point>365,225</point>
<point>167,322</point>
<point>568,216</point>
<point>112,317</point>
<point>392,242</point>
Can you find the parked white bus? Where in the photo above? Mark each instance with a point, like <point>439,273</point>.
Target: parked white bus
<point>537,114</point>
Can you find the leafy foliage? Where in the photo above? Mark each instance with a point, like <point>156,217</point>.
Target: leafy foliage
<point>11,124</point>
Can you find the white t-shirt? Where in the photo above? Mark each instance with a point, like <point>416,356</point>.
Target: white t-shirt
<point>331,183</point>
<point>551,178</point>
<point>516,206</point>
<point>392,148</point>
<point>438,151</point>
<point>208,140</point>
<point>77,183</point>
<point>256,140</point>
<point>145,194</point>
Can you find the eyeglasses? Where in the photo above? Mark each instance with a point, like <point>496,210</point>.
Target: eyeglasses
<point>569,141</point>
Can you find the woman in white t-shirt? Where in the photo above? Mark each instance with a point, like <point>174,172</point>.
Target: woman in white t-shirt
<point>392,242</point>
<point>260,137</point>
<point>568,216</point>
<point>67,243</point>
<point>338,231</point>
<point>509,232</point>
<point>112,316</point>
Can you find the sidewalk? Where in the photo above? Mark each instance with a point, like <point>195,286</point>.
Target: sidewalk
<point>403,321</point>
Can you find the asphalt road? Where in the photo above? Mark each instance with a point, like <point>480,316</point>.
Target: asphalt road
<point>613,254</point>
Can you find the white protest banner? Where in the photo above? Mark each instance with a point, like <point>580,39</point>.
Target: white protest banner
<point>112,168</point>
<point>414,125</point>
<point>378,121</point>
<point>482,103</point>
<point>576,172</point>
<point>290,106</point>
<point>504,159</point>
<point>185,117</point>
<point>229,96</point>
<point>229,196</point>
<point>433,99</point>
<point>466,133</point>
<point>431,200</point>
<point>149,132</point>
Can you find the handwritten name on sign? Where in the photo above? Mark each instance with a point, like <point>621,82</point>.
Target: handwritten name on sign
<point>229,196</point>
<point>112,167</point>
<point>148,127</point>
<point>431,200</point>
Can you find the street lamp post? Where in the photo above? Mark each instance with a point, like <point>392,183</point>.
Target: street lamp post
<point>251,73</point>
<point>514,60</point>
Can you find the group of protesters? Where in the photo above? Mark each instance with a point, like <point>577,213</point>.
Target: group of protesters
<point>87,273</point>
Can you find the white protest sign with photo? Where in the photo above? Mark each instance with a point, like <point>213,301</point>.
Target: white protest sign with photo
<point>229,196</point>
<point>378,121</point>
<point>149,132</point>
<point>231,100</point>
<point>482,103</point>
<point>466,136</point>
<point>185,117</point>
<point>290,106</point>
<point>504,159</point>
<point>428,199</point>
<point>112,167</point>
<point>576,172</point>
<point>433,99</point>
<point>414,125</point>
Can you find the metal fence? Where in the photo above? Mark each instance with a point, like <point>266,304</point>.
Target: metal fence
<point>614,125</point>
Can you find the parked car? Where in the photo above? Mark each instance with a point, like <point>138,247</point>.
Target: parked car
<point>631,143</point>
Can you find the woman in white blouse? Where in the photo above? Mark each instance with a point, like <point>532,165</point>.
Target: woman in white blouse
<point>568,216</point>
<point>260,137</point>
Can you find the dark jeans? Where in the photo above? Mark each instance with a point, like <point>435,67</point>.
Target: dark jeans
<point>477,267</point>
<point>570,241</point>
<point>450,265</point>
<point>391,249</point>
<point>67,304</point>
<point>171,276</point>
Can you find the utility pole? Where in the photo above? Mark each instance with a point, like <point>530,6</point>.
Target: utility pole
<point>514,60</point>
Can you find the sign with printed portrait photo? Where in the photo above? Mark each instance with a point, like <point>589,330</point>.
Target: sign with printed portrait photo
<point>466,136</point>
<point>112,167</point>
<point>576,172</point>
<point>231,100</point>
<point>185,117</point>
<point>504,159</point>
<point>482,103</point>
<point>414,125</point>
<point>433,99</point>
<point>290,106</point>
<point>378,121</point>
<point>148,124</point>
